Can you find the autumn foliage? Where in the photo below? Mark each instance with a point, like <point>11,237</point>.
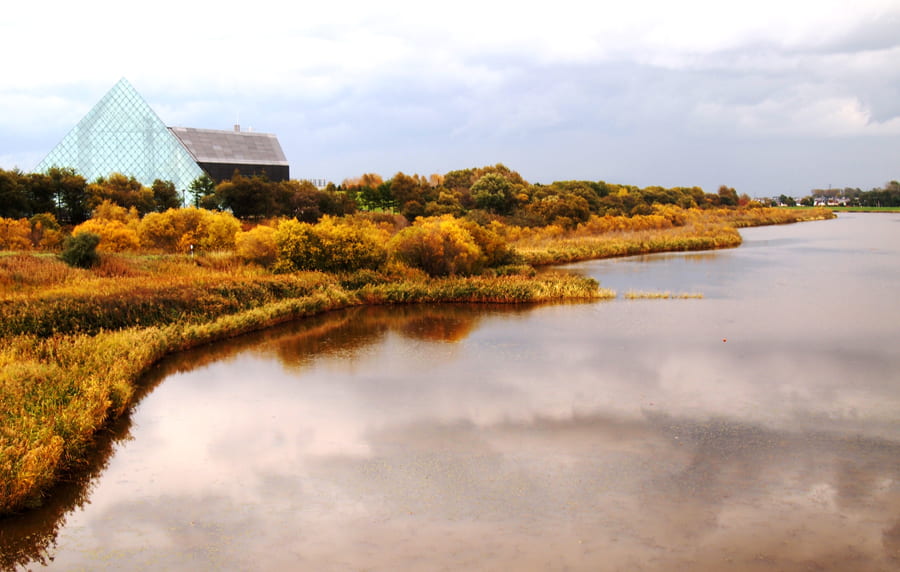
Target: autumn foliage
<point>443,246</point>
<point>331,245</point>
<point>78,326</point>
<point>178,230</point>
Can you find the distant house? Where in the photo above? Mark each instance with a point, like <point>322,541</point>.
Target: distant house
<point>122,134</point>
<point>831,202</point>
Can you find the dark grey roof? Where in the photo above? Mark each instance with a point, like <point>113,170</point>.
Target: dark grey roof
<point>242,147</point>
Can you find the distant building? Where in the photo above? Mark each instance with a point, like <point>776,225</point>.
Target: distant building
<point>122,134</point>
<point>221,153</point>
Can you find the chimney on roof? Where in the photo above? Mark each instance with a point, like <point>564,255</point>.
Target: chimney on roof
<point>237,127</point>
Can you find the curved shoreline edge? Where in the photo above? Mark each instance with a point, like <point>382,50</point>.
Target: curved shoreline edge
<point>98,374</point>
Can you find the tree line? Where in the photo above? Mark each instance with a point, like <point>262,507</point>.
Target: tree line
<point>496,191</point>
<point>886,196</point>
<point>481,194</point>
<point>66,195</point>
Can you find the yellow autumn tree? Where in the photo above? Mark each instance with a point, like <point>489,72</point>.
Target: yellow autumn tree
<point>108,210</point>
<point>46,233</point>
<point>15,234</point>
<point>257,245</point>
<point>115,225</point>
<point>440,246</point>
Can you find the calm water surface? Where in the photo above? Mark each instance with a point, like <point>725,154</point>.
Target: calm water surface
<point>755,429</point>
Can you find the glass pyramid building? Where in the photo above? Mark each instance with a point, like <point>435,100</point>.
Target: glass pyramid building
<point>122,134</point>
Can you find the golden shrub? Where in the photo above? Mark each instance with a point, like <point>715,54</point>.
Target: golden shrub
<point>115,235</point>
<point>15,234</point>
<point>331,245</point>
<point>441,246</point>
<point>257,245</point>
<point>176,230</point>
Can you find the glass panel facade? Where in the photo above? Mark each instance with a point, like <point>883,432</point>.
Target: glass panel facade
<point>122,134</point>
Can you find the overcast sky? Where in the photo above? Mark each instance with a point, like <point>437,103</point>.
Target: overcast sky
<point>768,96</point>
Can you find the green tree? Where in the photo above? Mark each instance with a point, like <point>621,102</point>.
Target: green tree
<point>786,200</point>
<point>165,195</point>
<point>14,201</point>
<point>80,250</point>
<point>202,186</point>
<point>460,179</point>
<point>248,197</point>
<point>41,193</point>
<point>493,193</point>
<point>71,193</point>
<point>122,190</point>
<point>447,202</point>
<point>385,194</point>
<point>728,196</point>
<point>564,209</point>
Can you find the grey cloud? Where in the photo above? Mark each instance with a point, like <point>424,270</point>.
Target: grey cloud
<point>879,33</point>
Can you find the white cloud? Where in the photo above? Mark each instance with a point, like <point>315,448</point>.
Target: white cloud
<point>801,113</point>
<point>223,43</point>
<point>54,112</point>
<point>503,76</point>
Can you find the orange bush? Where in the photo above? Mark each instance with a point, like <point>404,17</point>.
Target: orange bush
<point>15,234</point>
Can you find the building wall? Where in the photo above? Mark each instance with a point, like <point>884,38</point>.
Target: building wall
<point>223,171</point>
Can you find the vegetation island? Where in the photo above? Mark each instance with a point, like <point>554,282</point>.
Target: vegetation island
<point>100,280</point>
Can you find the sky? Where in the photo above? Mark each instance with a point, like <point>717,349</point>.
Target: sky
<point>769,97</point>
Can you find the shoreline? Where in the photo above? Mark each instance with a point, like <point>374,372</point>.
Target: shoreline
<point>77,383</point>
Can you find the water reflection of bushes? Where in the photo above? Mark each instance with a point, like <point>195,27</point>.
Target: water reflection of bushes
<point>349,330</point>
<point>343,333</point>
<point>699,470</point>
<point>30,537</point>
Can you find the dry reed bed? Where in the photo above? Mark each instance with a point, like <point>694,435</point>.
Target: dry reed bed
<point>635,295</point>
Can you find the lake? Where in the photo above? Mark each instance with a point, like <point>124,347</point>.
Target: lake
<point>757,428</point>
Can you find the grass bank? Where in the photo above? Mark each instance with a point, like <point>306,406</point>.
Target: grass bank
<point>670,230</point>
